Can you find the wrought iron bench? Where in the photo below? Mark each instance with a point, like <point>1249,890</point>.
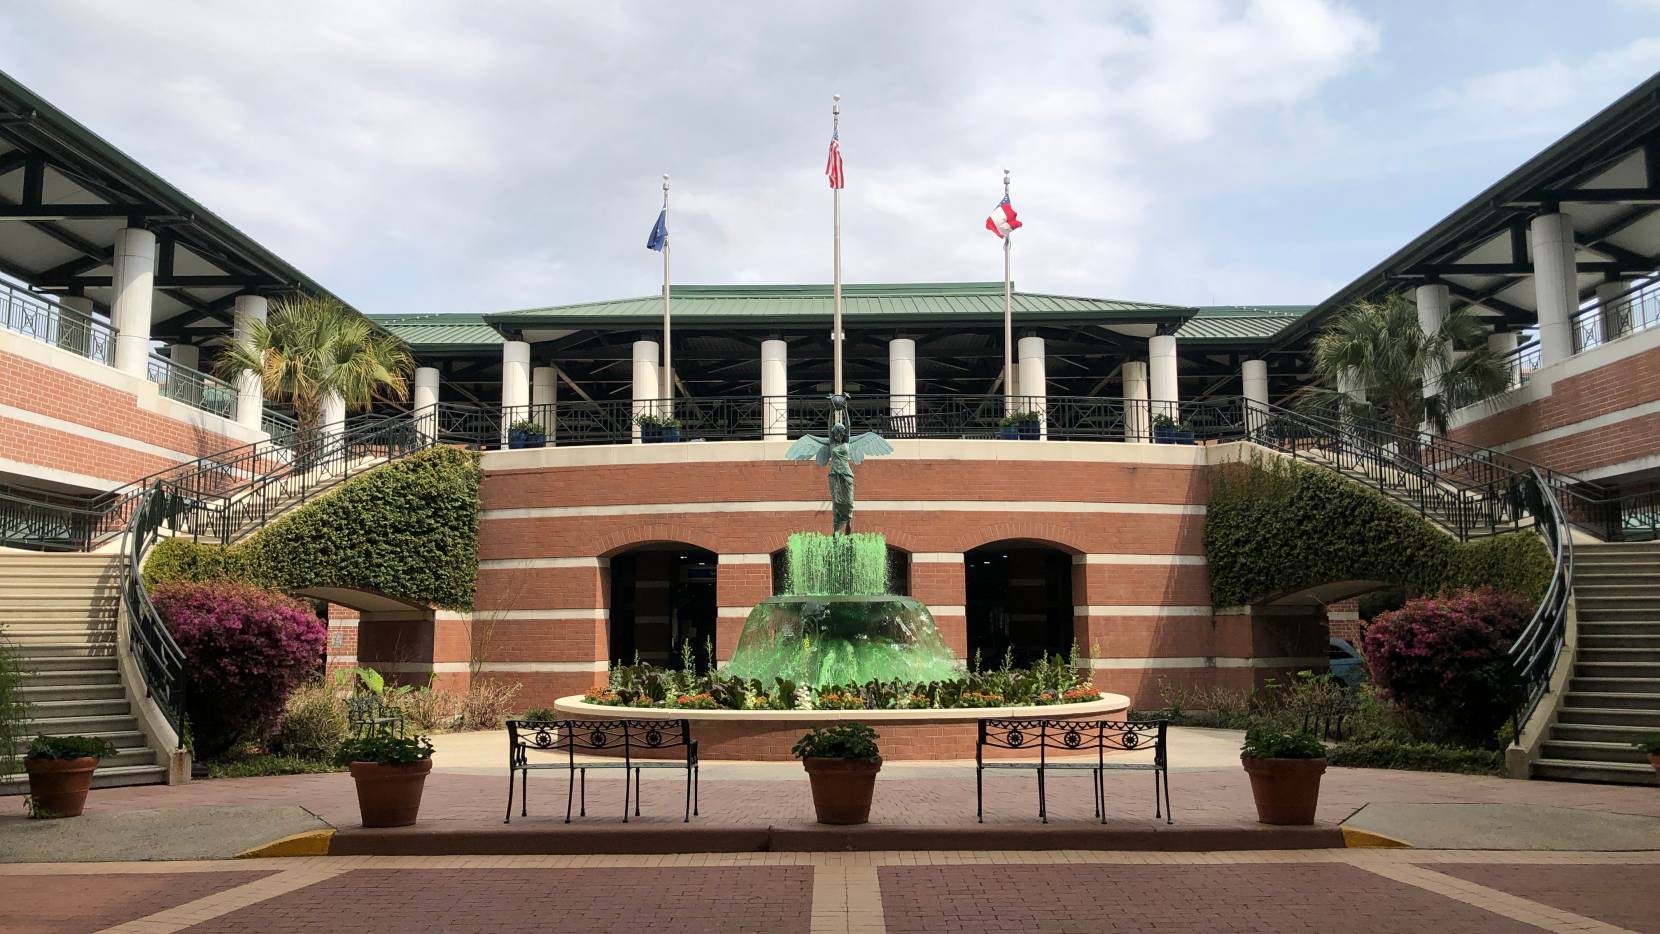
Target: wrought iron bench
<point>1074,736</point>
<point>592,736</point>
<point>368,715</point>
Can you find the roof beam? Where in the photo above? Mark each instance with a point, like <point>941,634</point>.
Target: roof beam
<point>173,282</point>
<point>11,161</point>
<point>1513,314</point>
<point>1549,196</point>
<point>60,212</point>
<point>1435,270</point>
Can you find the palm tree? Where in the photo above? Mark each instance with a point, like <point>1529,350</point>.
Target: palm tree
<point>1380,349</point>
<point>313,347</point>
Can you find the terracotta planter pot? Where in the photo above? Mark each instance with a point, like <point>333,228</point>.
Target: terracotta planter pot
<point>58,787</point>
<point>842,788</point>
<point>1654,760</point>
<point>390,795</point>
<point>1286,790</point>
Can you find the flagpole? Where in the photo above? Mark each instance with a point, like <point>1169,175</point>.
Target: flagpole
<point>836,288</point>
<point>1008,316</point>
<point>667,389</point>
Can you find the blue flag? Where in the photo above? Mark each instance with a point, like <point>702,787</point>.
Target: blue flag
<point>659,232</point>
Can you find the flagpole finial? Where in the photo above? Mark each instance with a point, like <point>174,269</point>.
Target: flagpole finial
<point>665,181</point>
<point>835,103</point>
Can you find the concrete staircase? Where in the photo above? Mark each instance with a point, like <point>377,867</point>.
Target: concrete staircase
<point>1613,696</point>
<point>58,612</point>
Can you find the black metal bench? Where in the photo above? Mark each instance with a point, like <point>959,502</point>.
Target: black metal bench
<point>1074,736</point>
<point>598,736</point>
<point>367,715</point>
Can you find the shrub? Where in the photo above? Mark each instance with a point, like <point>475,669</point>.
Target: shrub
<point>1264,743</point>
<point>313,724</point>
<point>1445,658</point>
<point>1273,527</point>
<point>263,764</point>
<point>69,747</point>
<point>386,750</point>
<point>486,705</point>
<point>842,741</point>
<point>1649,743</point>
<point>540,715</point>
<point>408,529</point>
<point>1416,757</point>
<point>428,710</point>
<point>245,651</point>
<point>11,709</point>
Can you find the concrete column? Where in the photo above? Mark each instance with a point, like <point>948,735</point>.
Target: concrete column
<point>1162,384</point>
<point>1135,401</point>
<point>645,381</point>
<point>334,415</point>
<point>1613,313</point>
<point>1034,380</point>
<point>1254,374</point>
<point>1503,343</point>
<point>775,389</point>
<point>515,384</point>
<point>544,389</point>
<point>185,355</point>
<point>902,382</point>
<point>132,291</point>
<point>1555,285</point>
<point>1434,301</point>
<point>425,400</point>
<point>250,387</point>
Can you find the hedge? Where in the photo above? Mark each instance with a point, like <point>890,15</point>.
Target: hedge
<point>1277,527</point>
<point>1416,757</point>
<point>408,529</point>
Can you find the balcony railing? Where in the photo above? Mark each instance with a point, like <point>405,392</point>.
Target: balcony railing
<point>193,387</point>
<point>1638,309</point>
<point>51,323</point>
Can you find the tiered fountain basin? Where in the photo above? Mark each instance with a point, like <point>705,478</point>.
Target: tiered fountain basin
<point>906,735</point>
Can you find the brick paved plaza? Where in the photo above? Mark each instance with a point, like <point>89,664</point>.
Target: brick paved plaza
<point>1374,891</point>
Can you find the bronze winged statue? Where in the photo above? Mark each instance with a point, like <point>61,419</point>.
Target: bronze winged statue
<point>839,452</point>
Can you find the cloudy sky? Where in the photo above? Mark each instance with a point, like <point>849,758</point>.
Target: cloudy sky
<point>481,156</point>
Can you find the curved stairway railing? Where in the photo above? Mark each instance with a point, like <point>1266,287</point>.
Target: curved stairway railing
<point>1536,649</point>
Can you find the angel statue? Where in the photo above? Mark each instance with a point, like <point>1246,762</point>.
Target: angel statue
<point>839,452</point>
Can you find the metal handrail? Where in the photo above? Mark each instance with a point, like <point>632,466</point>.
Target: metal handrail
<point>192,387</point>
<point>1534,653</point>
<point>52,323</point>
<point>159,657</point>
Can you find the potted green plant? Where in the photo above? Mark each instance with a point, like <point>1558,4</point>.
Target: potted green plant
<point>60,773</point>
<point>656,429</point>
<point>841,763</point>
<point>526,433</point>
<point>1285,770</point>
<point>1651,745</point>
<point>1024,426</point>
<point>1167,430</point>
<point>390,773</point>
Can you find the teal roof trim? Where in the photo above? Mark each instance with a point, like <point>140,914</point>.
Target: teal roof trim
<point>1234,324</point>
<point>439,331</point>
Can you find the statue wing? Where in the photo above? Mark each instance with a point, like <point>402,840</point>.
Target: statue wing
<point>867,444</point>
<point>810,447</point>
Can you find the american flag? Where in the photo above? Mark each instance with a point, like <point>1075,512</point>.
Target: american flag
<point>1002,219</point>
<point>833,168</point>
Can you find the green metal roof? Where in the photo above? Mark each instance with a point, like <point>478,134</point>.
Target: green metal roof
<point>440,332</point>
<point>910,302</point>
<point>1232,324</point>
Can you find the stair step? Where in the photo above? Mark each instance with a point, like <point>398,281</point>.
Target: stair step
<point>120,739</point>
<point>1593,751</point>
<point>60,636</point>
<point>31,652</point>
<point>1618,548</point>
<point>104,777</point>
<point>103,707</point>
<point>79,726</point>
<point>32,694</point>
<point>49,665</point>
<point>1601,732</point>
<point>1617,773</point>
<point>1597,668</point>
<point>1615,685</point>
<point>1642,720</point>
<point>66,677</point>
<point>1608,700</point>
<point>1626,643</point>
<point>1618,622</point>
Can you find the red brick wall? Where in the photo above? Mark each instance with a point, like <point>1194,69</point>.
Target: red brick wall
<point>35,387</point>
<point>1623,384</point>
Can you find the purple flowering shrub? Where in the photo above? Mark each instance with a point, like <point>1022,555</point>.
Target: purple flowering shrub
<point>245,649</point>
<point>1444,658</point>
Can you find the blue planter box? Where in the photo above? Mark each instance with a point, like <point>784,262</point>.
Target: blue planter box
<point>525,439</point>
<point>1024,431</point>
<point>657,434</point>
<point>1169,434</point>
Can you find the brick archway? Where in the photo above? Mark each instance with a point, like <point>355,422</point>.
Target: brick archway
<point>1046,534</point>
<point>652,533</point>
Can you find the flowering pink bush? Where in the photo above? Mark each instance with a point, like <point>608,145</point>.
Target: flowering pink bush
<point>1444,657</point>
<point>245,649</point>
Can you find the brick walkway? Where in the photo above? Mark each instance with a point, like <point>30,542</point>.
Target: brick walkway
<point>868,893</point>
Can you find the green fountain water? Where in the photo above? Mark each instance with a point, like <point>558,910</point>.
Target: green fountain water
<point>836,622</point>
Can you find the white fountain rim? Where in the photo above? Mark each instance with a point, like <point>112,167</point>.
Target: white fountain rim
<point>1110,706</point>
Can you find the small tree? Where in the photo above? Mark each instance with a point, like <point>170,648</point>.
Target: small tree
<point>313,347</point>
<point>1381,347</point>
<point>245,650</point>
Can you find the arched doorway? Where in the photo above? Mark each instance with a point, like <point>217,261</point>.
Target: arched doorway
<point>1019,602</point>
<point>662,600</point>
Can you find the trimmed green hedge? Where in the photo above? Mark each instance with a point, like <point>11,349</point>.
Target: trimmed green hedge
<point>1276,527</point>
<point>407,529</point>
<point>1416,757</point>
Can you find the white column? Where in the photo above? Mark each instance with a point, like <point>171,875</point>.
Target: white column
<point>425,400</point>
<point>250,387</point>
<point>1162,383</point>
<point>515,384</point>
<point>645,381</point>
<point>132,291</point>
<point>775,388</point>
<point>1033,374</point>
<point>185,355</point>
<point>1434,301</point>
<point>1134,375</point>
<point>543,387</point>
<point>1613,314</point>
<point>1555,285</point>
<point>334,415</point>
<point>1254,374</point>
<point>1503,343</point>
<point>902,381</point>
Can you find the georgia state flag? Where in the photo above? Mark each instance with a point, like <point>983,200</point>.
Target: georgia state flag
<point>1002,219</point>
